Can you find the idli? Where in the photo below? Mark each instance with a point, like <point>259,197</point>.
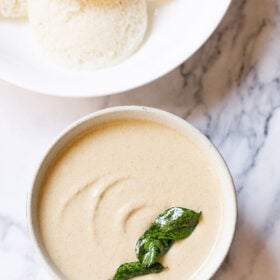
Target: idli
<point>13,8</point>
<point>88,34</point>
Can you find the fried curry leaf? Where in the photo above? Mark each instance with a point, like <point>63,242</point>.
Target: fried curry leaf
<point>175,223</point>
<point>149,250</point>
<point>134,269</point>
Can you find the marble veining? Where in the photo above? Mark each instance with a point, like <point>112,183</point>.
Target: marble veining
<point>230,90</point>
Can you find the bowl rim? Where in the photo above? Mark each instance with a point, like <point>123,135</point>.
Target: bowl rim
<point>43,256</point>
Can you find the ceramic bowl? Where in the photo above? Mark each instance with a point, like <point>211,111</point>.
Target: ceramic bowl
<point>227,230</point>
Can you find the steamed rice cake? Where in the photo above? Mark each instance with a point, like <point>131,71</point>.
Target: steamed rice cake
<point>88,34</point>
<point>13,8</point>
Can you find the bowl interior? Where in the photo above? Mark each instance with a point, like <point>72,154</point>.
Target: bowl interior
<point>224,240</point>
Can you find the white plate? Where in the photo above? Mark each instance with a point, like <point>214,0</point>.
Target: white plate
<point>177,28</point>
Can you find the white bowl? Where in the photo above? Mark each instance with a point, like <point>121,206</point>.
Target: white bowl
<point>230,208</point>
<point>177,28</point>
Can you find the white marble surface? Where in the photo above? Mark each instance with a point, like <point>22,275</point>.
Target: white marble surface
<point>230,90</point>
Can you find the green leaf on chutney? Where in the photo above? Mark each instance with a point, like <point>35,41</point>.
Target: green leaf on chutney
<point>135,269</point>
<point>176,223</point>
<point>149,250</point>
<point>173,224</point>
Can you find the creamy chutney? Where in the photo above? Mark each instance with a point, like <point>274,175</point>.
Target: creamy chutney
<point>107,186</point>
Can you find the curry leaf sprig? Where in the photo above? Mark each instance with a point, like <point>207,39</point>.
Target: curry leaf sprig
<point>173,224</point>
